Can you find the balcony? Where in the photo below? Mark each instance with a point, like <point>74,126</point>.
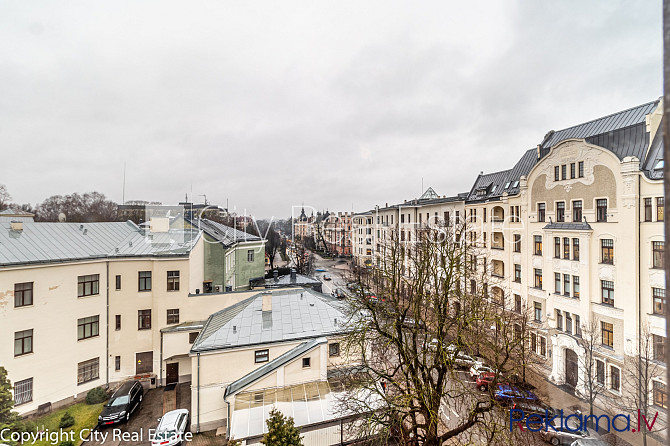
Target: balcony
<point>497,214</point>
<point>497,241</point>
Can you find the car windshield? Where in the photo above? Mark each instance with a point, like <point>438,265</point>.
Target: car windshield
<point>119,401</point>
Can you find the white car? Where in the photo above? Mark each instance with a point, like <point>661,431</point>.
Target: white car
<point>477,368</point>
<point>171,428</point>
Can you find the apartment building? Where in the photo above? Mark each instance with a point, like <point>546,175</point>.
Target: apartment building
<point>572,234</point>
<point>85,305</point>
<point>362,238</point>
<point>336,229</point>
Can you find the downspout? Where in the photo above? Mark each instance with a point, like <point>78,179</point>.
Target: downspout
<point>107,324</point>
<point>160,364</point>
<point>198,394</point>
<point>228,421</point>
<point>639,295</point>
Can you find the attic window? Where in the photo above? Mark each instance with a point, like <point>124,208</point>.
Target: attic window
<point>659,165</point>
<point>493,189</point>
<point>516,183</point>
<point>506,185</point>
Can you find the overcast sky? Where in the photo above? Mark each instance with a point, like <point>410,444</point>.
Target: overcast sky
<point>338,105</point>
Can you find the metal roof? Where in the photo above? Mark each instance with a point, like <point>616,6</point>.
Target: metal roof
<point>46,242</point>
<point>226,235</point>
<point>581,226</point>
<point>273,365</point>
<point>284,280</point>
<point>296,314</point>
<point>653,165</point>
<point>609,123</point>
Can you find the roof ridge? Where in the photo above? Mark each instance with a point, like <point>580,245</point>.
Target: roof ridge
<point>608,116</point>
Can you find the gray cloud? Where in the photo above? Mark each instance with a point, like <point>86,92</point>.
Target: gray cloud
<point>336,105</point>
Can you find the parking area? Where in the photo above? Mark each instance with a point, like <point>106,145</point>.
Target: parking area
<point>136,431</point>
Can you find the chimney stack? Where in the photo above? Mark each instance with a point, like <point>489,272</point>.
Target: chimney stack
<point>16,226</point>
<point>267,302</point>
<point>293,275</point>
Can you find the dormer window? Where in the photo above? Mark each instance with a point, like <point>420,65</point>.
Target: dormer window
<point>516,183</point>
<point>493,189</point>
<point>659,165</point>
<point>507,185</point>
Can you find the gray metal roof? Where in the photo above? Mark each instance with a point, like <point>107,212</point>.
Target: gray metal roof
<point>582,226</point>
<point>286,280</point>
<point>488,186</point>
<point>653,165</point>
<point>46,242</point>
<point>609,123</point>
<point>296,314</point>
<point>184,326</point>
<point>271,366</point>
<point>226,235</point>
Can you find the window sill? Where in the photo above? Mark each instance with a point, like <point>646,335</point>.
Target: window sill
<point>607,347</point>
<point>143,291</point>
<point>606,263</point>
<point>89,381</point>
<point>90,337</point>
<point>24,354</point>
<point>88,295</point>
<point>23,306</point>
<point>144,329</point>
<point>517,281</point>
<point>537,254</point>
<point>499,248</point>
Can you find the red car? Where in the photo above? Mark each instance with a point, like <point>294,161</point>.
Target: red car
<point>484,379</point>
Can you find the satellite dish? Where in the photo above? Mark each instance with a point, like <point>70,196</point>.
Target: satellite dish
<point>62,217</point>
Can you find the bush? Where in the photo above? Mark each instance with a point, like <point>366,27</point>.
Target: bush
<point>96,396</point>
<point>66,421</point>
<point>66,443</point>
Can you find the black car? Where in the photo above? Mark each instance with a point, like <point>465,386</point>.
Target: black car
<point>122,404</point>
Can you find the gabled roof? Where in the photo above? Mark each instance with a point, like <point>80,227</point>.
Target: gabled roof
<point>271,366</point>
<point>225,235</point>
<point>429,194</point>
<point>296,314</point>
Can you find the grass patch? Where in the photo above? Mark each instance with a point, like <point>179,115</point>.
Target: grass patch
<point>85,417</point>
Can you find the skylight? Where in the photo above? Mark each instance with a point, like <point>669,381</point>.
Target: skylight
<point>516,183</point>
<point>506,185</point>
<point>493,189</point>
<point>659,165</point>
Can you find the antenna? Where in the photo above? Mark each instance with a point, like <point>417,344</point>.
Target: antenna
<point>421,186</point>
<point>123,195</point>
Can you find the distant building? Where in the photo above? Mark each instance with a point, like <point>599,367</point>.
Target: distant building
<point>337,234</point>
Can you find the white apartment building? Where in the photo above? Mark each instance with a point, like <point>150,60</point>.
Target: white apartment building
<point>573,234</point>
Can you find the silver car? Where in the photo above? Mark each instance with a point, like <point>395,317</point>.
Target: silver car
<point>564,432</point>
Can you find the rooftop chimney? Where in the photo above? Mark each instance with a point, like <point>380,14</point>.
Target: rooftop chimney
<point>159,224</point>
<point>267,302</point>
<point>16,226</point>
<point>293,275</point>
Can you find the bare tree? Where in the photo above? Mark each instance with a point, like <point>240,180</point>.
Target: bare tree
<point>4,197</point>
<point>638,379</point>
<point>590,342</point>
<point>89,207</point>
<point>272,239</point>
<point>301,258</point>
<point>413,317</point>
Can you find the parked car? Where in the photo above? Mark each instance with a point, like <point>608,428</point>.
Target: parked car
<point>122,404</point>
<point>327,277</point>
<point>320,270</point>
<point>462,360</point>
<point>484,379</point>
<point>478,368</point>
<point>171,428</point>
<point>589,442</point>
<point>339,293</point>
<point>534,408</point>
<point>569,433</point>
<point>507,394</point>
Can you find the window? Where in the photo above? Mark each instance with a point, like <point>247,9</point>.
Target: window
<point>334,349</point>
<point>541,211</point>
<point>660,395</point>
<point>88,370</point>
<point>447,220</point>
<point>560,211</point>
<point>473,286</point>
<point>517,303</point>
<point>607,251</point>
<point>566,284</point>
<point>600,372</point>
<point>577,211</point>
<point>607,330</point>
<point>601,210</point>
<point>118,282</point>
<point>659,348</point>
<point>660,207</point>
<point>517,273</point>
<point>23,294</point>
<point>88,285</point>
<point>23,391</point>
<point>607,292</point>
<point>173,280</point>
<point>647,209</point>
<point>517,242</point>
<point>557,247</point>
<point>566,248</point>
<point>484,214</point>
<point>658,254</point>
<point>117,321</point>
<point>575,249</point>
<point>615,378</point>
<point>88,327</point>
<point>261,356</point>
<point>402,218</point>
<point>173,316</point>
<point>538,311</point>
<point>306,362</point>
<point>144,362</point>
<point>578,327</point>
<point>659,300</point>
<point>117,363</point>
<point>559,320</point>
<point>193,336</point>
<point>458,217</point>
<point>568,323</point>
<point>144,281</point>
<point>516,214</point>
<point>538,278</point>
<point>543,345</point>
<point>250,252</point>
<point>581,169</point>
<point>564,172</point>
<point>144,319</point>
<point>538,245</point>
<point>572,170</point>
<point>557,173</point>
<point>533,342</point>
<point>23,342</point>
<point>575,287</point>
<point>557,283</point>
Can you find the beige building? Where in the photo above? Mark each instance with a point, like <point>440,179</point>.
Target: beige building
<point>572,234</point>
<point>336,229</point>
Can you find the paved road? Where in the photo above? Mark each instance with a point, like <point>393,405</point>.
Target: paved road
<point>336,269</point>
